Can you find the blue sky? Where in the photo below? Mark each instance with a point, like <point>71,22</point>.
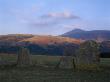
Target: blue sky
<point>53,17</point>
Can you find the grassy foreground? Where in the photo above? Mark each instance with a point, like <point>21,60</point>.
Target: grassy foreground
<point>43,74</point>
<point>40,74</point>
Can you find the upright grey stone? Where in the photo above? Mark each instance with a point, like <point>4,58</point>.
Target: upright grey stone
<point>67,60</point>
<point>23,57</point>
<point>88,53</point>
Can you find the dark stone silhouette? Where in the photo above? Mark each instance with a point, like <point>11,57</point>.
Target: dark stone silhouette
<point>67,60</point>
<point>88,53</point>
<point>23,57</point>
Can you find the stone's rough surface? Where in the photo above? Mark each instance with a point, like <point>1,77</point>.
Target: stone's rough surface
<point>88,53</point>
<point>23,57</point>
<point>66,62</point>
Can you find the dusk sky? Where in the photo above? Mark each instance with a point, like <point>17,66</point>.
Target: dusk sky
<point>53,17</point>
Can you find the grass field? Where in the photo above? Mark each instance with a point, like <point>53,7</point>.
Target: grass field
<point>105,61</point>
<point>41,74</point>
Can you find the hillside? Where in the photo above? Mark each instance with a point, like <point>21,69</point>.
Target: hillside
<point>14,37</point>
<point>45,45</point>
<point>37,39</point>
<point>98,35</point>
<point>50,40</point>
<point>51,45</point>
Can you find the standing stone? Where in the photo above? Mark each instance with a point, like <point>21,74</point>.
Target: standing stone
<point>88,54</point>
<point>67,60</point>
<point>23,57</point>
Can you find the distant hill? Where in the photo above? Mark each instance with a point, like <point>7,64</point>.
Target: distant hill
<point>36,38</point>
<point>14,37</point>
<point>46,40</point>
<point>44,45</point>
<point>98,35</point>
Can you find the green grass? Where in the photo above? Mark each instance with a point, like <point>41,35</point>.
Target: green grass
<point>8,57</point>
<point>40,74</point>
<point>37,73</point>
<point>105,61</point>
<point>45,60</point>
<point>42,59</point>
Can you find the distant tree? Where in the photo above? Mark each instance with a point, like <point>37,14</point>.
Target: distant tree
<point>23,57</point>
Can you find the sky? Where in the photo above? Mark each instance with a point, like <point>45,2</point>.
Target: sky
<point>53,17</point>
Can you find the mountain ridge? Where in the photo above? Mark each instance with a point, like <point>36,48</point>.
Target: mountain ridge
<point>44,45</point>
<point>98,35</point>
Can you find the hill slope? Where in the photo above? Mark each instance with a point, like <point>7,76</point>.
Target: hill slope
<point>50,40</point>
<point>98,35</point>
<point>45,45</point>
<point>52,45</point>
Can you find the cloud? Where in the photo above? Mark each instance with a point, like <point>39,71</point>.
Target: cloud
<point>53,19</point>
<point>71,26</point>
<point>40,24</point>
<point>82,24</point>
<point>31,19</point>
<point>61,15</point>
